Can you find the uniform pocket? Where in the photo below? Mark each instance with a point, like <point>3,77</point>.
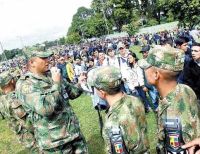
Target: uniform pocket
<point>57,132</point>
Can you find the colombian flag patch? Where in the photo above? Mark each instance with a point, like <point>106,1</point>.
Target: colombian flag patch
<point>118,147</point>
<point>173,139</point>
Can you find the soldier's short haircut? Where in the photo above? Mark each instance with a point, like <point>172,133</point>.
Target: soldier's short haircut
<point>112,91</point>
<point>169,75</point>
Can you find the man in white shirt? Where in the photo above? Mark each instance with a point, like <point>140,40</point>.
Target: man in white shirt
<point>112,58</point>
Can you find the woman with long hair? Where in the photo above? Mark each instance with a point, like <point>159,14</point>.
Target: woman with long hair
<point>137,81</point>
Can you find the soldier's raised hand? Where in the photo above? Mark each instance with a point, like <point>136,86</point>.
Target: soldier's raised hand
<point>192,145</point>
<point>55,74</point>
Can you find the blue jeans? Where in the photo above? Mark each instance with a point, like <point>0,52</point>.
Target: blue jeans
<point>153,94</point>
<point>142,95</point>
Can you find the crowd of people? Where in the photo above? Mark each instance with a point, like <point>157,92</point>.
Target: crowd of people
<point>36,92</point>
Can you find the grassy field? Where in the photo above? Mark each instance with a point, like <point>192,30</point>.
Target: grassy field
<point>89,124</point>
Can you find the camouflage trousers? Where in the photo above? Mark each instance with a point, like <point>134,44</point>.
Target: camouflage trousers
<point>77,146</point>
<point>27,140</point>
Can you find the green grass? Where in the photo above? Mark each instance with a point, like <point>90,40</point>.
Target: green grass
<point>89,125</point>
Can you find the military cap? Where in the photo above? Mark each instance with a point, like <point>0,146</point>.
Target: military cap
<point>91,76</point>
<point>167,58</point>
<point>38,53</point>
<point>107,78</point>
<point>5,78</point>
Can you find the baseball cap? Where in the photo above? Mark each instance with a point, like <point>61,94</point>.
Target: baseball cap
<point>167,58</point>
<point>107,78</point>
<point>110,48</point>
<point>145,48</point>
<point>120,45</point>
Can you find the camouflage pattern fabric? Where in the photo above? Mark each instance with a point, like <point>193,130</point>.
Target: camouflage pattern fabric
<point>182,103</point>
<point>54,121</point>
<point>75,147</point>
<point>38,53</point>
<point>5,78</point>
<point>17,121</point>
<point>107,78</point>
<point>167,58</point>
<point>128,113</point>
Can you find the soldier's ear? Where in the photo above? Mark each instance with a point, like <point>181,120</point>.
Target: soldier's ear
<point>32,62</point>
<point>156,75</point>
<point>103,94</point>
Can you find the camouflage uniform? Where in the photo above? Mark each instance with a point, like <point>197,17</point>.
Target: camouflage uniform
<point>181,102</point>
<point>12,110</point>
<point>127,114</point>
<point>56,126</point>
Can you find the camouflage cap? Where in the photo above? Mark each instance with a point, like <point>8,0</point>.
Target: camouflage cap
<point>38,53</point>
<point>107,78</point>
<point>91,75</point>
<point>5,78</point>
<point>167,58</point>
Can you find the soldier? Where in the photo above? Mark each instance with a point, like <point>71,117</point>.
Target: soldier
<point>46,99</point>
<point>12,110</point>
<point>125,129</point>
<point>178,120</point>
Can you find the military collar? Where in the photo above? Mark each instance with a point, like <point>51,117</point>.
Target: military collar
<point>116,105</point>
<point>173,93</point>
<point>165,102</point>
<point>40,77</point>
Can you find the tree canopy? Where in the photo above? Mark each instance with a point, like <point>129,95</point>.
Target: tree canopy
<point>106,16</point>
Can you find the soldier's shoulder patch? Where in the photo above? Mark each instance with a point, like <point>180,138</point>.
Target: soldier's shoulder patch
<point>26,88</point>
<point>118,147</point>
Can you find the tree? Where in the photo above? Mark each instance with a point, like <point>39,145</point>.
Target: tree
<point>186,11</point>
<point>62,41</point>
<point>73,38</point>
<point>78,22</point>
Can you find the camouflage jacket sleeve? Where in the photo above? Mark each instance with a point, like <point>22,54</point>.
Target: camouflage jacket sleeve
<point>41,101</point>
<point>72,91</point>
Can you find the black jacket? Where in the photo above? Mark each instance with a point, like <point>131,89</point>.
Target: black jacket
<point>192,77</point>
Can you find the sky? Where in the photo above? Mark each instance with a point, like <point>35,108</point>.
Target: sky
<point>27,22</point>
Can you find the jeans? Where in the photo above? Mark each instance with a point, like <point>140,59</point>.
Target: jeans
<point>153,94</point>
<point>142,95</point>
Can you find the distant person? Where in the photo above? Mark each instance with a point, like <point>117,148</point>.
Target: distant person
<point>182,43</point>
<point>147,88</point>
<point>192,72</point>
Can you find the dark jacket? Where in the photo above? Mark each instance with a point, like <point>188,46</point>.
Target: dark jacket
<point>192,77</point>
